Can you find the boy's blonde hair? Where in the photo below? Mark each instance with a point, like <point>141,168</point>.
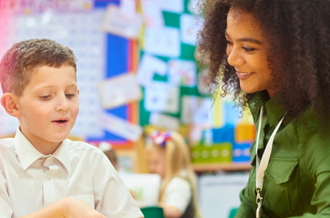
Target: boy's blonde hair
<point>177,159</point>
<point>19,62</point>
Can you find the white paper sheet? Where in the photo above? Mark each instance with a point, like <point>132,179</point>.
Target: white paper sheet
<point>220,194</point>
<point>128,8</point>
<point>194,7</point>
<point>190,25</point>
<point>117,23</point>
<point>162,41</point>
<point>119,90</point>
<point>144,187</point>
<point>152,13</point>
<point>196,110</point>
<point>121,127</point>
<point>161,97</point>
<point>203,82</point>
<point>165,121</point>
<point>182,73</point>
<point>148,67</point>
<point>175,6</point>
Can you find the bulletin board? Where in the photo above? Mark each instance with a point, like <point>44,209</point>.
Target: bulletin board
<point>187,53</point>
<point>100,55</point>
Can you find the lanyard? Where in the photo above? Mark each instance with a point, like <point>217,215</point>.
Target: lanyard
<point>260,170</point>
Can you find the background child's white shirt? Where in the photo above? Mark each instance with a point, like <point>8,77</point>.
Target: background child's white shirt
<point>178,193</point>
<point>30,180</point>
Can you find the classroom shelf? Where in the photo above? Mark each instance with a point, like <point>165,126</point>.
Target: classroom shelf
<point>221,167</point>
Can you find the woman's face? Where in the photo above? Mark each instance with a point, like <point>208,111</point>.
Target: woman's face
<point>247,52</point>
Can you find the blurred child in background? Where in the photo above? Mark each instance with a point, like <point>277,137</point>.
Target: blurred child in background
<point>168,155</point>
<point>110,153</point>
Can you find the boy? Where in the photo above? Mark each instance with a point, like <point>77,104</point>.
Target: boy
<point>43,174</point>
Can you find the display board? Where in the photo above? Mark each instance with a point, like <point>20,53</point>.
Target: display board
<point>99,56</point>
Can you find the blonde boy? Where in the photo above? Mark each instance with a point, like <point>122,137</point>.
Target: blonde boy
<point>43,174</point>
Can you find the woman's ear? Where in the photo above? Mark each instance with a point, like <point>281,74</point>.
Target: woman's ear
<point>9,102</point>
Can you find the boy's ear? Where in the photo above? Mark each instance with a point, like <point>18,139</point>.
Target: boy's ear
<point>8,101</point>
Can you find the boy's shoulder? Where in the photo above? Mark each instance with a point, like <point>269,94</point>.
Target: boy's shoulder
<point>7,145</point>
<point>82,147</point>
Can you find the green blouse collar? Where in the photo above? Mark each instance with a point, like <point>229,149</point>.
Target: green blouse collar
<point>274,111</point>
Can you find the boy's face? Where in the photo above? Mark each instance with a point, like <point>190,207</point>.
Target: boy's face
<point>49,106</point>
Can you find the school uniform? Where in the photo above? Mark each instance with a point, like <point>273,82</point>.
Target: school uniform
<point>297,180</point>
<point>178,193</point>
<point>30,180</point>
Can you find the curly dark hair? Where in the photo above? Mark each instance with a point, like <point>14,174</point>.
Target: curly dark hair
<point>299,56</point>
<point>19,62</point>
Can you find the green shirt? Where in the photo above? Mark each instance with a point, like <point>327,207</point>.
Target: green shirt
<point>297,179</point>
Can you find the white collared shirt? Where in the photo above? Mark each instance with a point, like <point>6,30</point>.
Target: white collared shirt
<point>30,180</point>
<point>178,192</point>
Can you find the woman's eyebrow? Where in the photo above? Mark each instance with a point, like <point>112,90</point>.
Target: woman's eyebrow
<point>247,39</point>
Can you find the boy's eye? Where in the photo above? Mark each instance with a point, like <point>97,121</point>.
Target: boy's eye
<point>70,95</point>
<point>45,97</point>
<point>248,49</point>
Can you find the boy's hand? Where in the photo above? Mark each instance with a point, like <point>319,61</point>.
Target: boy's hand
<point>68,207</point>
<point>79,209</point>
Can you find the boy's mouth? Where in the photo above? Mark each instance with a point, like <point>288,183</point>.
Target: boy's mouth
<point>61,121</point>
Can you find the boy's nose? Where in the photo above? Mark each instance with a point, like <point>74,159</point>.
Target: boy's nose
<point>234,57</point>
<point>62,104</point>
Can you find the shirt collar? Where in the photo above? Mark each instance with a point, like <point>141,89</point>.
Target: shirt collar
<point>62,154</point>
<point>274,111</point>
<point>28,154</point>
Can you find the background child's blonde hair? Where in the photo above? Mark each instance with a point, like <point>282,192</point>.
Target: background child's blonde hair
<point>177,159</point>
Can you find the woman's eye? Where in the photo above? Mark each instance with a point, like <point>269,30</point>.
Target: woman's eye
<point>248,49</point>
<point>45,97</point>
<point>70,95</point>
<point>228,42</point>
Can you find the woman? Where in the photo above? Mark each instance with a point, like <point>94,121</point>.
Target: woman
<point>274,55</point>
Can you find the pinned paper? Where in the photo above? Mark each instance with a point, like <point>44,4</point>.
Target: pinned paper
<point>204,83</point>
<point>143,187</point>
<point>152,13</point>
<point>190,26</point>
<point>182,73</point>
<point>165,121</point>
<point>196,110</point>
<point>161,97</point>
<point>121,127</point>
<point>117,23</point>
<point>119,90</point>
<point>148,67</point>
<point>128,8</point>
<point>175,6</point>
<point>194,7</point>
<point>162,41</point>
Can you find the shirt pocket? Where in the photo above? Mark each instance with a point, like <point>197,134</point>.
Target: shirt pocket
<point>88,199</point>
<point>281,195</point>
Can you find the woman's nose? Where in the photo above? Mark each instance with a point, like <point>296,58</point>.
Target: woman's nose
<point>234,56</point>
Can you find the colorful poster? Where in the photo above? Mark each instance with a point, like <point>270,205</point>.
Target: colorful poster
<point>119,90</point>
<point>196,110</point>
<point>148,67</point>
<point>164,121</point>
<point>162,41</point>
<point>182,73</point>
<point>118,23</point>
<point>161,97</point>
<point>121,127</point>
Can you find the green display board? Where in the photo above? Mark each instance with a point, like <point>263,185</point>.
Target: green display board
<point>187,53</point>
